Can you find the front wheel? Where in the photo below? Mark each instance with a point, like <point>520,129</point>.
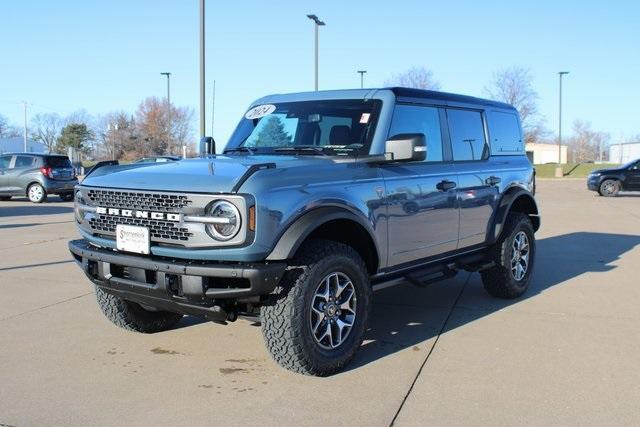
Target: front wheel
<point>514,256</point>
<point>609,188</point>
<point>132,316</point>
<point>36,193</point>
<point>314,321</point>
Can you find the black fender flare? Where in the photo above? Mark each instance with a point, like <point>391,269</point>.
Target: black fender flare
<point>504,207</point>
<point>290,241</point>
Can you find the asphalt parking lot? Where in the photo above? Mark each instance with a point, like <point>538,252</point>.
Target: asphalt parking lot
<point>565,353</point>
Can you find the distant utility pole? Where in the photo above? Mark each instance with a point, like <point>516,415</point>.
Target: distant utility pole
<point>24,103</point>
<point>213,108</point>
<point>559,173</point>
<point>362,72</point>
<point>202,86</point>
<point>318,23</point>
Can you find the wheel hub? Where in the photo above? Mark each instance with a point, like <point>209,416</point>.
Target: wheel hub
<point>333,310</point>
<point>520,256</point>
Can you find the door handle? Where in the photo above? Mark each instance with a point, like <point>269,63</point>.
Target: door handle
<point>446,185</point>
<point>493,180</point>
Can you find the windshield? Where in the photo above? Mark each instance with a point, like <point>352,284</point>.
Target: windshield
<point>310,127</point>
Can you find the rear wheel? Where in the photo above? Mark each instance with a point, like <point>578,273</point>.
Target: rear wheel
<point>132,317</point>
<point>66,197</point>
<point>514,256</point>
<point>36,193</point>
<point>315,320</point>
<point>609,188</point>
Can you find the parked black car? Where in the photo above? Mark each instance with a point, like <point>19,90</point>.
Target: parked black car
<point>609,182</point>
<point>36,176</point>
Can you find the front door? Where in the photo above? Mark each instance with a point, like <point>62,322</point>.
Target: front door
<point>633,177</point>
<point>421,199</point>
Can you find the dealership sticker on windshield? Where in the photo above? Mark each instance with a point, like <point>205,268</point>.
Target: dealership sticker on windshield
<point>260,111</point>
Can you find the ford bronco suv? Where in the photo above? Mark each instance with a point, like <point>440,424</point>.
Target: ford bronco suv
<point>316,198</point>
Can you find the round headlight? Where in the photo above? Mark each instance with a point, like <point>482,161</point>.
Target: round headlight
<point>78,200</point>
<point>225,218</point>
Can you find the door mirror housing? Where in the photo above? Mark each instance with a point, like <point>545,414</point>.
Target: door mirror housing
<point>406,147</point>
<point>207,146</point>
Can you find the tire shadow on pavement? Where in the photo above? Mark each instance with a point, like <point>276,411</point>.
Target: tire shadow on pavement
<point>414,316</point>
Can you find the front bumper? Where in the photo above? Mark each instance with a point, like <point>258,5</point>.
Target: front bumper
<point>194,288</point>
<point>593,183</point>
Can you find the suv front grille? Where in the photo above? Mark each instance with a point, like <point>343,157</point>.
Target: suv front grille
<point>139,200</point>
<point>159,230</point>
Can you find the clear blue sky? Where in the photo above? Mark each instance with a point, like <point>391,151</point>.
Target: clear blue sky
<point>101,56</point>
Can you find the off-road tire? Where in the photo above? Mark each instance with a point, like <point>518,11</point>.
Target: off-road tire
<point>66,197</point>
<point>5,198</point>
<point>603,189</point>
<point>285,315</point>
<point>499,280</point>
<point>32,198</point>
<point>132,317</point>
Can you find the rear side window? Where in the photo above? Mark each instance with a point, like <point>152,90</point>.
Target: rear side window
<point>417,119</point>
<point>467,135</point>
<point>504,130</point>
<point>58,162</point>
<point>23,162</point>
<point>4,162</point>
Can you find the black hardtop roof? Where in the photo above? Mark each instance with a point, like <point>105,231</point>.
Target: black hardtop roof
<point>405,92</point>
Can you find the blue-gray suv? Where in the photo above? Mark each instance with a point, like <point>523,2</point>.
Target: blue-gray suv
<point>316,198</point>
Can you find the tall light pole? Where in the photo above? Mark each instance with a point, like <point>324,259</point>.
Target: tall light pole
<point>24,103</point>
<point>213,108</point>
<point>318,23</point>
<point>168,108</point>
<point>559,173</point>
<point>202,86</point>
<point>362,72</point>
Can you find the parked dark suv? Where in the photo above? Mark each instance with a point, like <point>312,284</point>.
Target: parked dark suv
<point>609,182</point>
<point>317,197</point>
<point>36,176</point>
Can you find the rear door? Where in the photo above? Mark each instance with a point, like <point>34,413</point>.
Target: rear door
<point>5,161</point>
<point>18,174</point>
<point>420,196</point>
<point>477,177</point>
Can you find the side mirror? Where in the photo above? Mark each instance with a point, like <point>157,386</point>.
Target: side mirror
<point>207,146</point>
<point>406,147</point>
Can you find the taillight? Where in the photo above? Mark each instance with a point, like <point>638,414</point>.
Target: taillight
<point>46,171</point>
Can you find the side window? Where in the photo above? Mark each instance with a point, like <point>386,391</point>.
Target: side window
<point>4,162</point>
<point>23,162</point>
<point>504,131</point>
<point>467,135</point>
<point>417,119</point>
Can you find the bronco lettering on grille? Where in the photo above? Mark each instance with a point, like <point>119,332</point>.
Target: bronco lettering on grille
<point>138,214</point>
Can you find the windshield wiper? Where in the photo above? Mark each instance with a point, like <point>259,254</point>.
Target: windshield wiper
<point>303,149</point>
<point>240,149</point>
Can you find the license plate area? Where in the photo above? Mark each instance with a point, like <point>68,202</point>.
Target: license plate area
<point>130,238</point>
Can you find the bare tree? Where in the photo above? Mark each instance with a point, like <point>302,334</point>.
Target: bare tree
<point>514,85</point>
<point>415,77</point>
<point>586,144</point>
<point>159,131</point>
<point>46,129</point>
<point>6,130</point>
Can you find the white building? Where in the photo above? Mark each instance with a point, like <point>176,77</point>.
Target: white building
<point>624,152</point>
<point>16,145</point>
<point>539,154</point>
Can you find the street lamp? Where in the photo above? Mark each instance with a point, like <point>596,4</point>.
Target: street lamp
<point>559,173</point>
<point>202,86</point>
<point>318,23</point>
<point>168,106</point>
<point>362,72</point>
